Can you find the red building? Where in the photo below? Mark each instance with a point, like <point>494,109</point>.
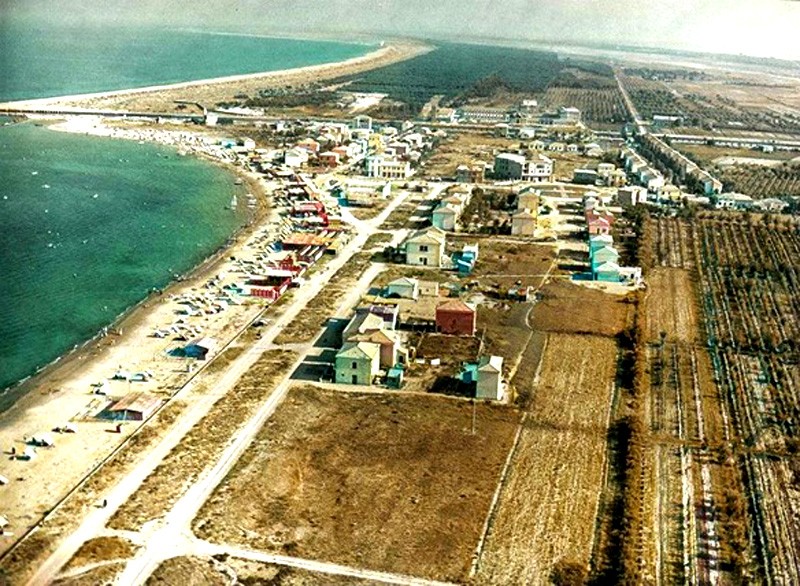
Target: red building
<point>455,317</point>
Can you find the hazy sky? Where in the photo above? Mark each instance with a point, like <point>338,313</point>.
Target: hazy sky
<point>752,27</point>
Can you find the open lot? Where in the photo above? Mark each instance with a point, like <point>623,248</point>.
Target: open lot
<point>502,263</point>
<point>181,467</point>
<point>385,482</point>
<point>195,571</point>
<point>548,505</point>
<point>569,308</point>
<point>465,148</point>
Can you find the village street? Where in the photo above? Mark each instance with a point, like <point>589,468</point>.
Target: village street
<point>159,545</point>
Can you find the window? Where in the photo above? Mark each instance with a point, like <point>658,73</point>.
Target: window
<point>423,248</point>
<point>354,366</point>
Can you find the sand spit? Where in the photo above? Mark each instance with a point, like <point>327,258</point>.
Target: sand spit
<point>209,92</point>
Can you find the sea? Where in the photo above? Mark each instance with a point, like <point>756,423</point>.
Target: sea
<point>89,226</point>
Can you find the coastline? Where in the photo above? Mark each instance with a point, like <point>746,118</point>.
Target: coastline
<point>62,392</point>
<point>13,397</point>
<point>218,88</point>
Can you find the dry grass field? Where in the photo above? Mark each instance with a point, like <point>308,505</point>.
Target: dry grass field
<point>101,549</point>
<point>548,505</point>
<point>384,482</point>
<point>569,308</point>
<point>671,306</point>
<point>503,263</point>
<point>195,571</point>
<point>188,571</point>
<point>206,439</point>
<point>99,575</point>
<point>465,148</point>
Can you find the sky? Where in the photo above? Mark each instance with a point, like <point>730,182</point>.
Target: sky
<point>763,28</point>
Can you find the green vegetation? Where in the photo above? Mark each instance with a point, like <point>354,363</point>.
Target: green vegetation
<point>453,69</point>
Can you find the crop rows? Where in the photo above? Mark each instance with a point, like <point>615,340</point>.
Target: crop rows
<point>751,297</point>
<point>759,181</point>
<point>596,105</point>
<point>653,97</point>
<point>672,243</point>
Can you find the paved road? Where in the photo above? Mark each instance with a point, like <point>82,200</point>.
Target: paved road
<point>178,519</point>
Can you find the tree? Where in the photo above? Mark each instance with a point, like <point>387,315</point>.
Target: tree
<point>569,573</point>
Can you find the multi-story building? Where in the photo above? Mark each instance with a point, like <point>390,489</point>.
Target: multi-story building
<point>387,167</point>
<point>517,167</point>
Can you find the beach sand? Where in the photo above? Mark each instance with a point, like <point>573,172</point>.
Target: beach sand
<point>63,392</point>
<point>210,92</point>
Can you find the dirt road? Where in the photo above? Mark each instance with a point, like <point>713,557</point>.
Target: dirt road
<point>176,523</point>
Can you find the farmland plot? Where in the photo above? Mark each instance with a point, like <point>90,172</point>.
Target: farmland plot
<point>548,506</point>
<point>750,293</point>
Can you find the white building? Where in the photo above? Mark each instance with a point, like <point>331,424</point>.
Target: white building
<point>387,167</point>
<point>631,196</point>
<point>517,167</point>
<point>403,287</point>
<point>490,378</point>
<point>426,248</point>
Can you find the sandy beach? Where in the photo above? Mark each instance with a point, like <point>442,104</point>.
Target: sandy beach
<point>63,392</point>
<point>209,92</point>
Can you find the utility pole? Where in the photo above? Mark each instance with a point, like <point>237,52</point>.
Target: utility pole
<point>474,408</point>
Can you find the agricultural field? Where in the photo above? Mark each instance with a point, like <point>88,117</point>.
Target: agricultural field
<point>707,154</point>
<point>599,107</point>
<point>565,307</point>
<point>549,503</point>
<point>386,482</point>
<point>724,417</point>
<point>759,181</point>
<point>711,109</point>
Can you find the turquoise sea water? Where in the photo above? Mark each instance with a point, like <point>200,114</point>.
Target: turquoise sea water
<point>40,60</point>
<point>88,226</point>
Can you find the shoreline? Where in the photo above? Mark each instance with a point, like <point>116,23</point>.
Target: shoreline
<point>62,391</point>
<point>13,397</point>
<point>390,52</point>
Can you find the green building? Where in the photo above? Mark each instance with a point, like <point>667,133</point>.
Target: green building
<point>357,363</point>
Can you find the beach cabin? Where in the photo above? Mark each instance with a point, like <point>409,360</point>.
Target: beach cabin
<point>528,200</point>
<point>608,272</point>
<point>598,242</point>
<point>386,340</point>
<point>134,407</point>
<point>388,312</point>
<point>490,378</point>
<point>404,288</point>
<point>200,348</point>
<point>394,378</point>
<point>357,363</point>
<point>445,217</point>
<point>456,318</point>
<point>599,226</point>
<point>603,255</point>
